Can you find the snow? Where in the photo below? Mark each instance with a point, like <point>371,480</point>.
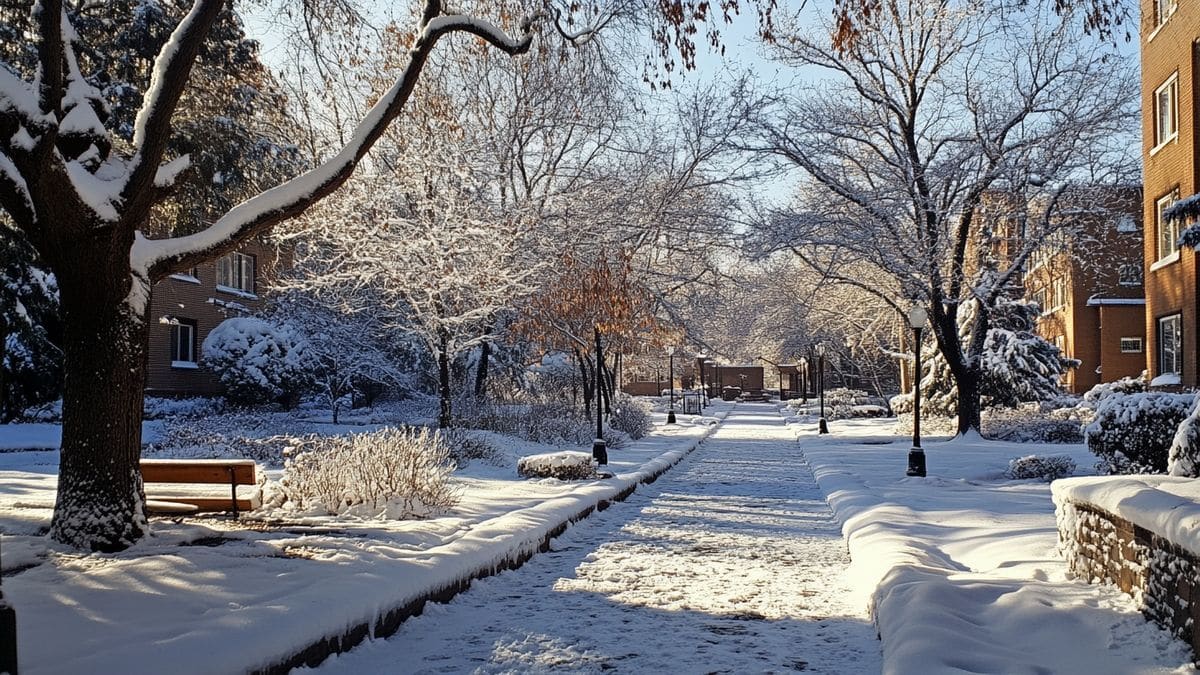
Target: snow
<point>1166,505</point>
<point>167,173</point>
<point>206,595</point>
<point>734,560</point>
<point>1165,380</point>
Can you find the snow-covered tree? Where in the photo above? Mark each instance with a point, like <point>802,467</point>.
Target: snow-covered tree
<point>936,108</point>
<point>257,361</point>
<point>30,330</point>
<point>348,357</point>
<point>1018,364</point>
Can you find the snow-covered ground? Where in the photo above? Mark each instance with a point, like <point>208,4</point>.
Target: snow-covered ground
<point>962,566</point>
<point>214,596</point>
<point>729,563</point>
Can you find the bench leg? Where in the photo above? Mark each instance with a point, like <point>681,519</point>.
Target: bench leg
<point>233,491</point>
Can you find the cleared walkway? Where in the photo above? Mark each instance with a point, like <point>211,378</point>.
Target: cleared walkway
<point>729,563</point>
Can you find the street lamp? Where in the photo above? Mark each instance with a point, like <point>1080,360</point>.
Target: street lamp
<point>599,447</point>
<point>700,358</point>
<point>917,316</point>
<point>848,368</point>
<point>822,425</point>
<point>778,372</point>
<point>671,383</point>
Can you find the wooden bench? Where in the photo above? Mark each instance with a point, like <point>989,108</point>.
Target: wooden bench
<point>231,472</point>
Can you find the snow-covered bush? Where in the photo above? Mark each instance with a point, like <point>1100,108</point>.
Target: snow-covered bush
<point>227,436</point>
<point>1132,433</point>
<point>256,361</point>
<point>393,473</point>
<point>632,417</point>
<point>466,446</point>
<point>1183,459</point>
<point>195,407</point>
<point>560,465</point>
<point>1047,468</point>
<point>1126,385</point>
<point>1030,424</point>
<point>548,423</point>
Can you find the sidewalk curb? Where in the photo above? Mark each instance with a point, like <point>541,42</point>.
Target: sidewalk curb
<point>385,624</point>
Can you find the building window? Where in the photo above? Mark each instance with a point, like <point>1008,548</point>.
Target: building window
<point>1163,9</point>
<point>1129,274</point>
<point>236,272</point>
<point>1131,345</point>
<point>1168,230</point>
<point>183,343</point>
<point>1166,111</point>
<point>1039,296</point>
<point>1170,344</point>
<point>1060,292</point>
<point>1060,341</point>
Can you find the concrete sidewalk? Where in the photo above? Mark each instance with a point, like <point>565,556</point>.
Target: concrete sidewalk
<point>731,562</point>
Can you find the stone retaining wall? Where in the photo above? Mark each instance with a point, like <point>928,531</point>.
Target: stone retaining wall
<point>1162,577</point>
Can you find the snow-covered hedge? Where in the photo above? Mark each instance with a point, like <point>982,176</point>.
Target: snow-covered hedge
<point>393,473</point>
<point>466,446</point>
<point>1030,423</point>
<point>548,423</point>
<point>560,465</point>
<point>1132,433</point>
<point>1126,385</point>
<point>245,435</point>
<point>1047,468</point>
<point>256,361</point>
<point>1183,459</point>
<point>631,416</point>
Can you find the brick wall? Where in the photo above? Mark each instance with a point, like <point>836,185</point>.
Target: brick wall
<point>1171,289</point>
<point>197,298</point>
<point>1102,548</point>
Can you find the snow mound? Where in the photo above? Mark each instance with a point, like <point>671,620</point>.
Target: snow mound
<point>565,465</point>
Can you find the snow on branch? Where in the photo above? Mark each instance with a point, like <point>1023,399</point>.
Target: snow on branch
<point>172,68</point>
<point>156,258</point>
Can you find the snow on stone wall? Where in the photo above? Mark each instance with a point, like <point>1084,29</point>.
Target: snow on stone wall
<point>1107,533</point>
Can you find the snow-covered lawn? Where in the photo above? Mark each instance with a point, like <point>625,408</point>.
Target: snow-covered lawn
<point>213,595</point>
<point>962,567</point>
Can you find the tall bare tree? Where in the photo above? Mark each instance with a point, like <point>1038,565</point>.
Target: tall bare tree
<point>939,111</point>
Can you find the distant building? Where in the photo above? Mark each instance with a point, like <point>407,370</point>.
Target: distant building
<point>185,307</point>
<point>1089,286</point>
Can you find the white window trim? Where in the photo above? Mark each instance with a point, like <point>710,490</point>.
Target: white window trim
<point>1140,345</point>
<point>1166,19</point>
<point>189,365</point>
<point>1159,145</point>
<point>1179,355</point>
<point>185,277</point>
<point>1173,258</point>
<point>236,291</point>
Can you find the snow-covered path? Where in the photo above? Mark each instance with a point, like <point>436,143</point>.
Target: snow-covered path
<point>731,562</point>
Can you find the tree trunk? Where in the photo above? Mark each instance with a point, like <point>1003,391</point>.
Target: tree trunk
<point>444,409</point>
<point>481,372</point>
<point>969,416</point>
<point>7,412</point>
<point>101,504</point>
<point>585,377</point>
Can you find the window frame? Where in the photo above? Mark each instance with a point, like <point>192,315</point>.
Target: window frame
<point>1170,87</point>
<point>1129,274</point>
<point>1164,10</point>
<point>1177,352</point>
<point>175,343</point>
<point>1141,345</point>
<point>1161,227</point>
<point>237,273</point>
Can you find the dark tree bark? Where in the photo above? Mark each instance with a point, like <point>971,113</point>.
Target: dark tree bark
<point>481,371</point>
<point>444,403</point>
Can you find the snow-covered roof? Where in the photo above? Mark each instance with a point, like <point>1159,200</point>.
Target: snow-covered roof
<point>1095,301</point>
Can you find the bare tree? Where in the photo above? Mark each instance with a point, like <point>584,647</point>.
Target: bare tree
<point>938,112</point>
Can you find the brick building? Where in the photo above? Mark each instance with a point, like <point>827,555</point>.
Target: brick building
<point>1089,286</point>
<point>184,308</point>
<point>1169,32</point>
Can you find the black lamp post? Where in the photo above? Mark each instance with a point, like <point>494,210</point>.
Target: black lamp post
<point>671,384</point>
<point>8,636</point>
<point>822,425</point>
<point>599,447</point>
<point>916,457</point>
<point>703,386</point>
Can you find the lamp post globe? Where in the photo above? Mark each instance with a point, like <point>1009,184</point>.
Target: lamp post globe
<point>917,316</point>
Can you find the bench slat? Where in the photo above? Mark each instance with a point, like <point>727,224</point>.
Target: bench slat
<point>182,471</point>
<point>202,504</point>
